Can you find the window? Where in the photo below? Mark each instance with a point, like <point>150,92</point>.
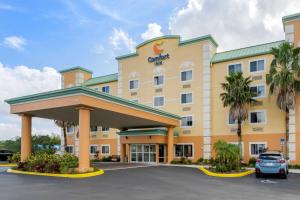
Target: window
<point>158,80</point>
<point>234,68</point>
<point>257,148</point>
<point>70,129</point>
<point>104,129</point>
<point>159,101</point>
<point>183,150</point>
<point>186,75</point>
<point>257,117</point>
<point>187,121</point>
<point>186,98</point>
<point>105,149</point>
<point>70,149</point>
<point>258,91</point>
<point>105,89</point>
<point>257,66</point>
<point>94,128</point>
<point>79,78</point>
<point>93,149</point>
<point>231,121</point>
<point>133,84</point>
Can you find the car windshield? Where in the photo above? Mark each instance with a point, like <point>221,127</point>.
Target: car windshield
<point>270,156</point>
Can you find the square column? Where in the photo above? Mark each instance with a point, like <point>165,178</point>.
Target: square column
<point>122,153</point>
<point>127,150</point>
<point>84,140</point>
<point>26,140</point>
<point>157,153</point>
<point>170,144</point>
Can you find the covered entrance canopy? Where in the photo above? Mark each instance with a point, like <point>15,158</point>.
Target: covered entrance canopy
<point>85,107</point>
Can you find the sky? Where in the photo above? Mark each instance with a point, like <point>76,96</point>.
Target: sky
<point>40,37</point>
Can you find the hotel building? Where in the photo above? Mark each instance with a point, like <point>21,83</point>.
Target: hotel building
<point>183,77</point>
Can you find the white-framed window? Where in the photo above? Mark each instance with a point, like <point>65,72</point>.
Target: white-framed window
<point>93,149</point>
<point>187,121</point>
<point>184,150</point>
<point>186,98</point>
<point>79,78</point>
<point>106,89</point>
<point>258,117</point>
<point>255,148</point>
<point>158,80</point>
<point>257,65</point>
<point>70,149</point>
<point>231,121</point>
<point>105,149</point>
<point>133,84</point>
<point>186,75</point>
<point>70,129</point>
<point>94,128</point>
<point>259,91</point>
<point>234,68</point>
<point>105,129</point>
<point>159,101</point>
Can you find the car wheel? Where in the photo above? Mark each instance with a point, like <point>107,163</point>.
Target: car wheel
<point>284,176</point>
<point>257,175</point>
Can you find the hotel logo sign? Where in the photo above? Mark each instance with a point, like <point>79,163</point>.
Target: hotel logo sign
<point>158,51</point>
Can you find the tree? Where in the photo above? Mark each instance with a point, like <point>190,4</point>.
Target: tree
<point>283,79</point>
<point>237,95</point>
<point>64,125</point>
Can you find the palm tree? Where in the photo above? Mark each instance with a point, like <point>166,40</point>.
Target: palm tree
<point>64,125</point>
<point>237,95</point>
<point>283,79</point>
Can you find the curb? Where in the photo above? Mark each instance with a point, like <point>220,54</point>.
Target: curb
<point>236,175</point>
<point>8,165</point>
<point>84,175</point>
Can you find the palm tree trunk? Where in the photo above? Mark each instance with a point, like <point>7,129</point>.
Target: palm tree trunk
<point>287,112</point>
<point>65,138</point>
<point>239,133</point>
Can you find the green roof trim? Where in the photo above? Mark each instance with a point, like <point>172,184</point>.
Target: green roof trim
<point>87,91</point>
<point>102,79</point>
<point>291,17</point>
<point>256,50</point>
<point>143,132</point>
<point>76,68</point>
<point>181,43</point>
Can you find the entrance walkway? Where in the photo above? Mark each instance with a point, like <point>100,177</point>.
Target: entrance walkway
<point>117,165</point>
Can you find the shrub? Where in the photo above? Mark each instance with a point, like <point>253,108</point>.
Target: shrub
<point>183,160</point>
<point>294,166</point>
<point>106,159</point>
<point>252,162</point>
<point>15,158</point>
<point>200,160</point>
<point>227,156</point>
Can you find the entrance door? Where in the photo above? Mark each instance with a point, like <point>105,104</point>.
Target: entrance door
<point>161,151</point>
<point>143,153</point>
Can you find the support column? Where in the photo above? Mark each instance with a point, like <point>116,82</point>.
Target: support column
<point>128,153</point>
<point>170,144</point>
<point>157,153</point>
<point>26,140</point>
<point>84,140</point>
<point>122,153</point>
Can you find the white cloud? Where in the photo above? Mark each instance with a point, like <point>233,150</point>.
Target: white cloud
<point>19,81</point>
<point>121,39</point>
<point>14,42</point>
<point>154,30</point>
<point>100,8</point>
<point>233,23</point>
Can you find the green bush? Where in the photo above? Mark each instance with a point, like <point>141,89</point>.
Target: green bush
<point>183,161</point>
<point>15,158</point>
<point>106,159</point>
<point>294,166</point>
<point>227,157</point>
<point>200,160</point>
<point>49,163</point>
<point>252,162</point>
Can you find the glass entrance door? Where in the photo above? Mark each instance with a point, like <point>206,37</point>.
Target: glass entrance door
<point>143,153</point>
<point>161,151</point>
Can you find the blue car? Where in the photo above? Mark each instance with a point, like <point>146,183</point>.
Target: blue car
<point>271,162</point>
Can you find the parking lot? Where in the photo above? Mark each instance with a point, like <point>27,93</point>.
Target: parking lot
<point>156,182</point>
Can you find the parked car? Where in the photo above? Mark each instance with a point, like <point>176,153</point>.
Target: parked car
<point>271,162</point>
<point>4,154</point>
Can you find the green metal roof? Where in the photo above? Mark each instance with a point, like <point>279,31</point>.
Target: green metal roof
<point>76,68</point>
<point>91,92</point>
<point>291,17</point>
<point>143,132</point>
<point>181,43</point>
<point>102,79</point>
<point>256,50</point>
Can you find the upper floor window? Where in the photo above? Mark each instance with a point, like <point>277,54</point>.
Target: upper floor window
<point>105,89</point>
<point>70,129</point>
<point>79,78</point>
<point>258,91</point>
<point>257,117</point>
<point>104,129</point>
<point>257,66</point>
<point>133,84</point>
<point>231,120</point>
<point>186,98</point>
<point>234,68</point>
<point>158,80</point>
<point>186,75</point>
<point>186,121</point>
<point>159,101</point>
